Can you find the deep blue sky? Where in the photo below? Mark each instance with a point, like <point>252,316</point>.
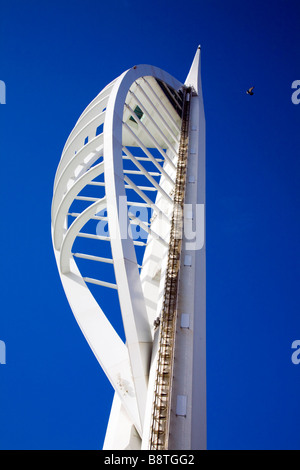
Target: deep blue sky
<point>55,57</point>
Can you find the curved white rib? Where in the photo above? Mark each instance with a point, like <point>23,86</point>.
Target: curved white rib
<point>69,198</point>
<point>92,150</point>
<point>155,136</point>
<point>79,222</point>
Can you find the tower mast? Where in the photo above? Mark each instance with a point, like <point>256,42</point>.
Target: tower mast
<point>188,418</point>
<point>179,409</point>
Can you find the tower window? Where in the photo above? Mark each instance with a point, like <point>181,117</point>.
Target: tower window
<point>139,113</point>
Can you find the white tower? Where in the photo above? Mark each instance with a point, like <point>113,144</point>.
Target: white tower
<point>128,216</point>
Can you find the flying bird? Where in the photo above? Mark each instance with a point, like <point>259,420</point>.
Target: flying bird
<point>250,91</point>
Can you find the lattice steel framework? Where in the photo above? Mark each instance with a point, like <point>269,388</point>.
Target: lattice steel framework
<point>118,186</point>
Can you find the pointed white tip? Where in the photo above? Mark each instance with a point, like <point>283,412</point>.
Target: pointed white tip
<point>193,79</point>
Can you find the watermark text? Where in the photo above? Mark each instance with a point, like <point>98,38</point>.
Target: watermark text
<point>296,94</point>
<point>2,92</point>
<point>296,354</point>
<point>2,352</point>
<point>138,222</point>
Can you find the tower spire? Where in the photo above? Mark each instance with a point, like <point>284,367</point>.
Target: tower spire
<point>194,76</point>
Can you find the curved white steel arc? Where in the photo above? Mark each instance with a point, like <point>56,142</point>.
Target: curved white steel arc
<point>79,141</point>
<point>104,94</point>
<point>91,118</point>
<point>79,222</point>
<point>76,158</point>
<point>69,198</point>
<point>93,150</point>
<point>93,322</point>
<point>126,365</point>
<point>133,308</point>
<point>107,346</point>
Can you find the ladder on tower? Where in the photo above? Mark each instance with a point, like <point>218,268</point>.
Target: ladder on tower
<point>159,433</point>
